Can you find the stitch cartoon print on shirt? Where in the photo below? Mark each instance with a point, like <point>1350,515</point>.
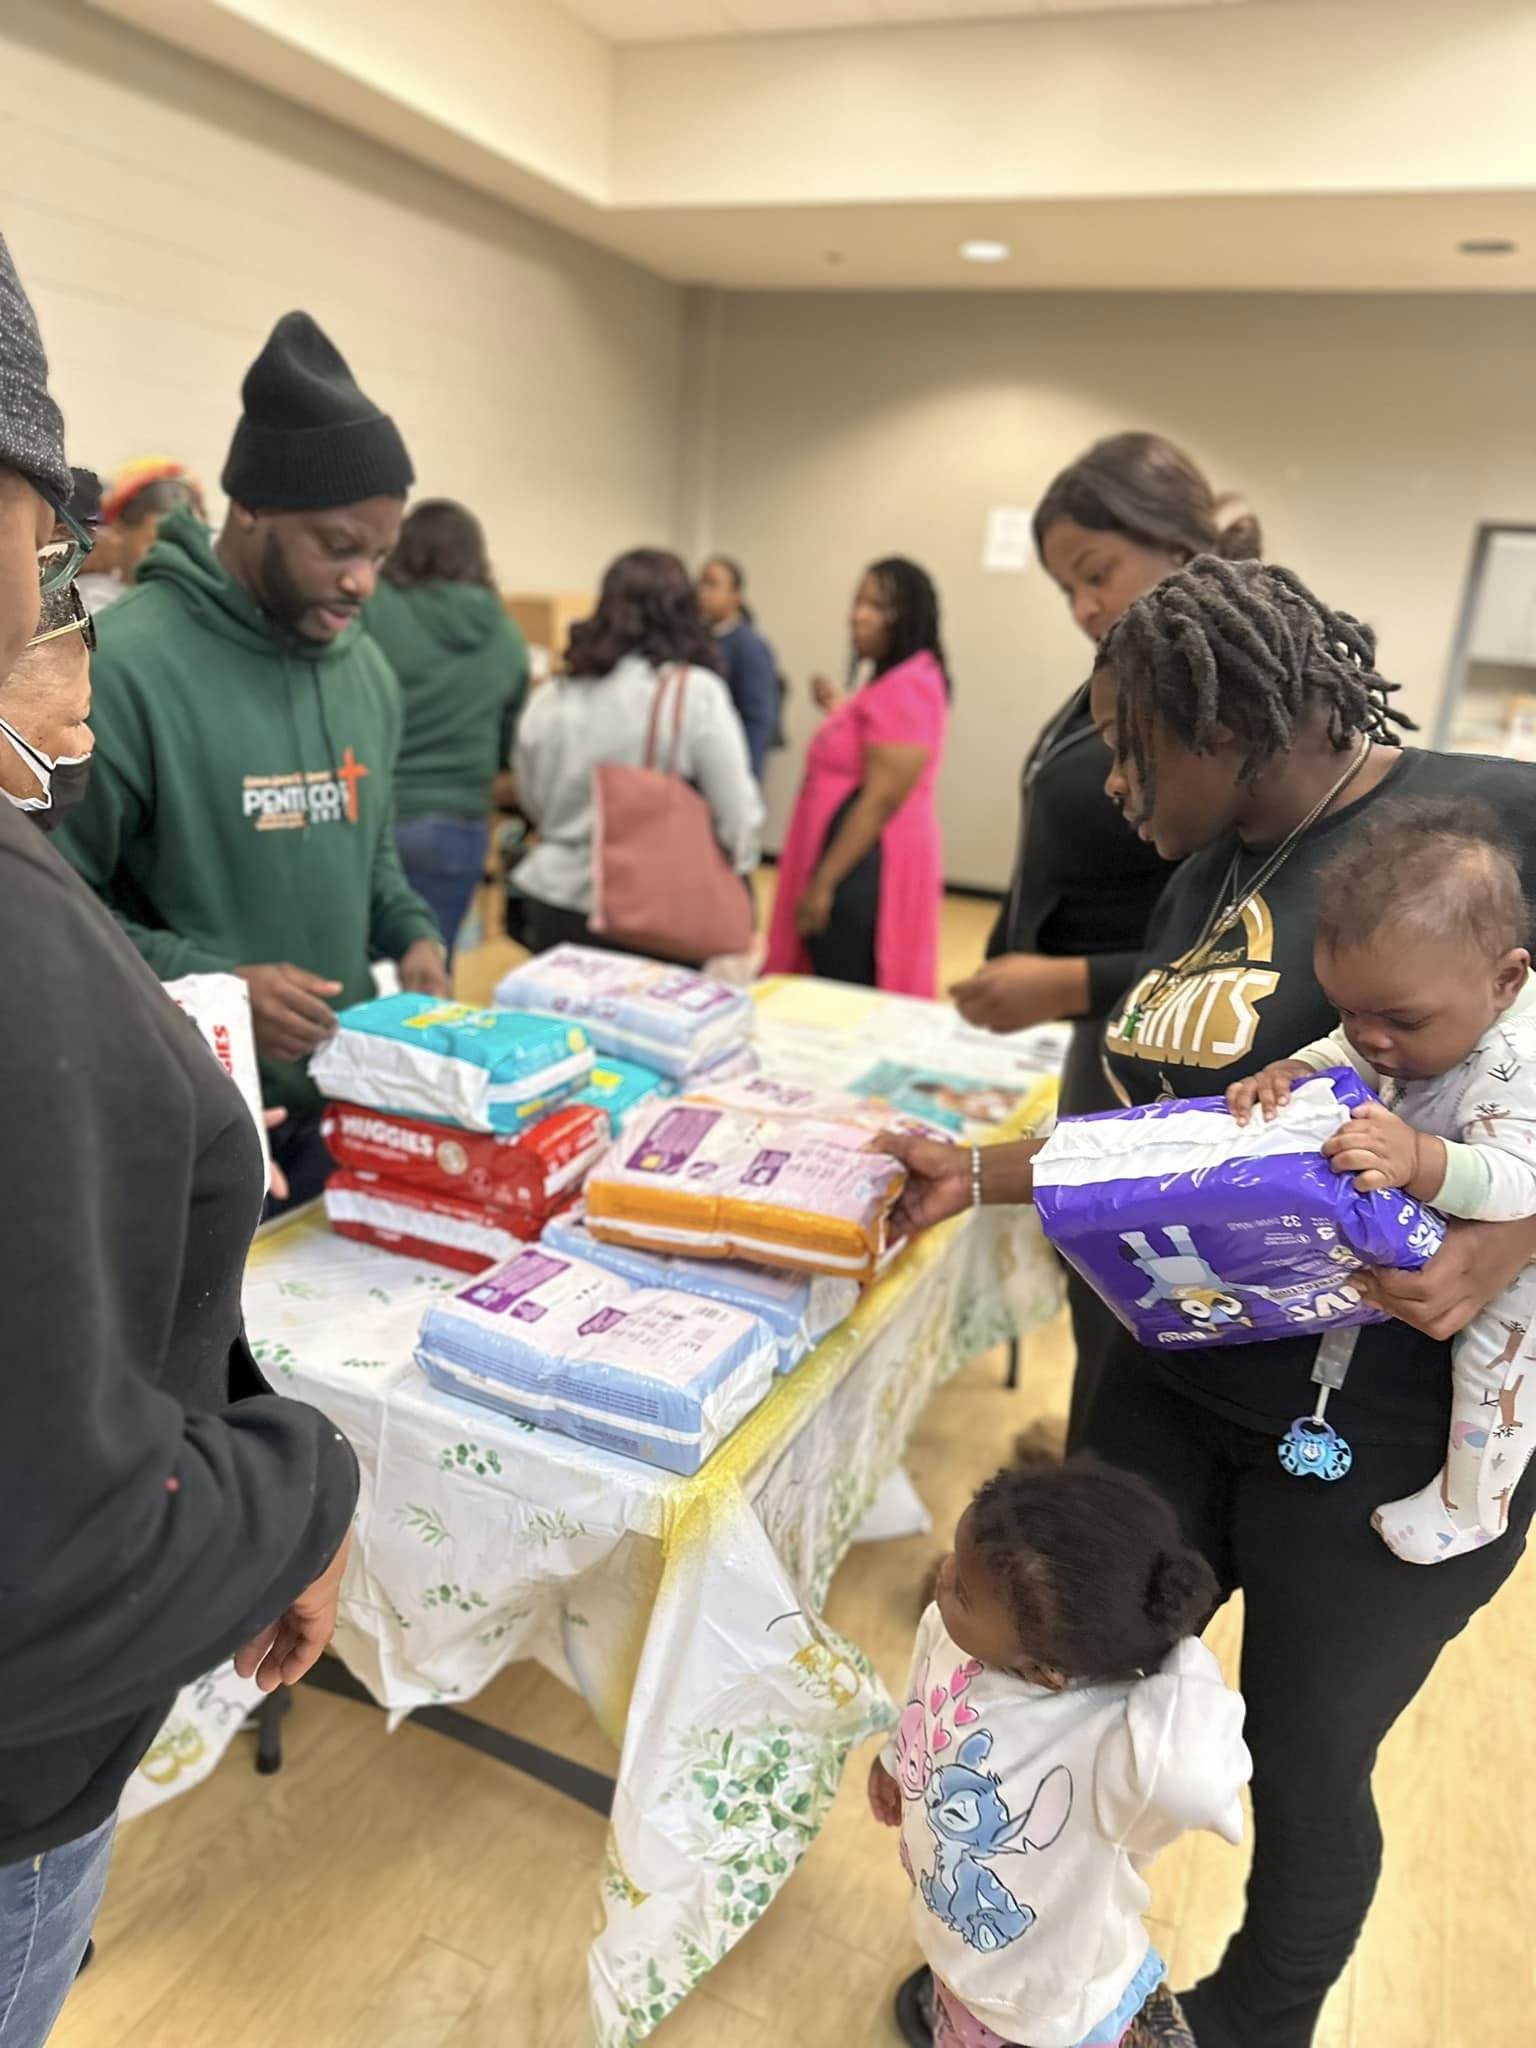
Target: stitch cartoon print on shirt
<point>969,1818</point>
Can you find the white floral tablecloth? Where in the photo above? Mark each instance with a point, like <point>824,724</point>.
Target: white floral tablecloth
<point>687,1612</point>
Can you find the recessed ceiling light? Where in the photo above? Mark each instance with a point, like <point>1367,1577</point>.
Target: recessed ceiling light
<point>1487,245</point>
<point>985,252</point>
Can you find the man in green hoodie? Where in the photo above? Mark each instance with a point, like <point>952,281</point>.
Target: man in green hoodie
<point>241,810</point>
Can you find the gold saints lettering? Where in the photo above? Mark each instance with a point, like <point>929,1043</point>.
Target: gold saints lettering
<point>1201,1011</point>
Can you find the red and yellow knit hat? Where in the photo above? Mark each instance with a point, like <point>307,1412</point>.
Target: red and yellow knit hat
<point>133,478</point>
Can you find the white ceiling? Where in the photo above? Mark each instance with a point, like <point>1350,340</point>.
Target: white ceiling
<point>674,21</point>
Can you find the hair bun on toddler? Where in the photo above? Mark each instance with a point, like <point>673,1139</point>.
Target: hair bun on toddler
<point>1181,1593</point>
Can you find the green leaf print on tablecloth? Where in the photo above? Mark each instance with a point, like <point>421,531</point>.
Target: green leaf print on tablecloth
<point>755,1800</point>
<point>426,1523</point>
<point>470,1458</point>
<point>555,1526</point>
<point>267,1352</point>
<point>452,1595</point>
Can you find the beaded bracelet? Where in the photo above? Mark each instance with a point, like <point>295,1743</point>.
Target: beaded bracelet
<point>976,1195</point>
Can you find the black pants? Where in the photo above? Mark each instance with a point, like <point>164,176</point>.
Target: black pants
<point>1338,1637</point>
<point>299,1150</point>
<point>1095,1329</point>
<point>846,951</point>
<point>544,926</point>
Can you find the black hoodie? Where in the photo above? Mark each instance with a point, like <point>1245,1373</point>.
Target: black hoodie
<point>148,1526</point>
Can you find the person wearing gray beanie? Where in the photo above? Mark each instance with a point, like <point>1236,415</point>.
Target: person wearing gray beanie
<point>162,1507</point>
<point>247,727</point>
<point>34,475</point>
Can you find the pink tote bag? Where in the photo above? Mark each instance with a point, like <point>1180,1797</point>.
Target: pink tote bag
<point>660,883</point>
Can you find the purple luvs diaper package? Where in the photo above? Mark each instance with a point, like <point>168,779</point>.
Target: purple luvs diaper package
<point>1197,1230</point>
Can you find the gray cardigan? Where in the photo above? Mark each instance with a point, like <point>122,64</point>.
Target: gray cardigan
<point>575,724</point>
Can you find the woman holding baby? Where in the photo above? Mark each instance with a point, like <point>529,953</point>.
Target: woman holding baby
<point>1247,734</point>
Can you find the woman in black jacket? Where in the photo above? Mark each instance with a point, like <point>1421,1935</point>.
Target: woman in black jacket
<point>1114,523</point>
<point>1246,732</point>
<point>163,1510</point>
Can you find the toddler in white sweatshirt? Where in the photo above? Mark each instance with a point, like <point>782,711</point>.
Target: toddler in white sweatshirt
<point>1062,1727</point>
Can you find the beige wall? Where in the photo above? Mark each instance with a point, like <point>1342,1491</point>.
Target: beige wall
<point>163,215</point>
<point>1371,434</point>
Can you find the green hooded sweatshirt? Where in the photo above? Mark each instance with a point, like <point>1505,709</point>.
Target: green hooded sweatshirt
<point>241,806</point>
<point>463,669</point>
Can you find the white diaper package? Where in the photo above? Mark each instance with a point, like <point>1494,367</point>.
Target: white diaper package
<point>667,1018</point>
<point>220,1006</point>
<point>799,1308</point>
<point>652,1373</point>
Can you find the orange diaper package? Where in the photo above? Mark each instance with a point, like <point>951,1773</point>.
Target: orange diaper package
<point>790,1192</point>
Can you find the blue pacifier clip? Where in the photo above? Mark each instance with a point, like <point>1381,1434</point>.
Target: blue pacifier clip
<point>1312,1448</point>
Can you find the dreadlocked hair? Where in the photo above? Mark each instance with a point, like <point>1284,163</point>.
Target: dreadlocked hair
<point>1243,645</point>
<point>912,606</point>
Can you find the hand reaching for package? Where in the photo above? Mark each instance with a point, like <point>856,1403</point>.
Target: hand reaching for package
<point>289,1009</point>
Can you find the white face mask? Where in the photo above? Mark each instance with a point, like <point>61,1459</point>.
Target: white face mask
<point>41,767</point>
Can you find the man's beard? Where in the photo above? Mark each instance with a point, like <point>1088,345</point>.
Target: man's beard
<point>281,598</point>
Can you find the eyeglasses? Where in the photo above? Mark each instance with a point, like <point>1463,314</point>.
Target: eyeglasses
<point>63,611</point>
<point>60,561</point>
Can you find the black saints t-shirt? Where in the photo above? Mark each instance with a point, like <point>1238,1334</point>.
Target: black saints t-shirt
<point>1254,999</point>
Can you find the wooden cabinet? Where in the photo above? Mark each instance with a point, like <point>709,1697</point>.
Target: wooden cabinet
<point>546,618</point>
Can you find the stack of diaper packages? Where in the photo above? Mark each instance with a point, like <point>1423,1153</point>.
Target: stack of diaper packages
<point>707,1181</point>
<point>652,1373</point>
<point>799,1308</point>
<point>680,1024</point>
<point>457,1132</point>
<point>1199,1231</point>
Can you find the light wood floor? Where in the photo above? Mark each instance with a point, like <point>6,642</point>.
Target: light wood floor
<point>400,1892</point>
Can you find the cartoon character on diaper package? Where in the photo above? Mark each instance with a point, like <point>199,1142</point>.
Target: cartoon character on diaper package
<point>1181,1277</point>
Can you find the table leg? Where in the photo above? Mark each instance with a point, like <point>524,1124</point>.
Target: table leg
<point>269,1718</point>
<point>587,1787</point>
<point>1011,1377</point>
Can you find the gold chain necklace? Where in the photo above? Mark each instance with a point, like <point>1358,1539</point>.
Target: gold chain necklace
<point>1231,902</point>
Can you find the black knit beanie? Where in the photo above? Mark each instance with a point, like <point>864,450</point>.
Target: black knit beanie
<point>31,426</point>
<point>308,438</point>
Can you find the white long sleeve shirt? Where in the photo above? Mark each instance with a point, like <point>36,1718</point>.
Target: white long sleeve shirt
<point>1484,1109</point>
<point>575,724</point>
<point>1027,1817</point>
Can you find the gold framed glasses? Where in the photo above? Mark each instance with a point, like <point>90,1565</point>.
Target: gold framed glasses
<point>63,611</point>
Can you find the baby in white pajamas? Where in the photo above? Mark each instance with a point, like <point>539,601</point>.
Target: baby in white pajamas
<point>1421,930</point>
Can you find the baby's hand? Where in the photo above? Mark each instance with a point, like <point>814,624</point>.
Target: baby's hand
<point>1378,1148</point>
<point>1269,1090</point>
<point>884,1796</point>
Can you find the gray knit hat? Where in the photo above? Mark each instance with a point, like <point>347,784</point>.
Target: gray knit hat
<point>31,425</point>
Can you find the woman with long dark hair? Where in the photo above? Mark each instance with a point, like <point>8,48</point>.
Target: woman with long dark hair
<point>1110,526</point>
<point>861,876</point>
<point>463,669</point>
<point>646,629</point>
<point>1245,731</point>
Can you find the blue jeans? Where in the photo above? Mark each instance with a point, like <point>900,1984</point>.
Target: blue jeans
<point>48,1906</point>
<point>444,861</point>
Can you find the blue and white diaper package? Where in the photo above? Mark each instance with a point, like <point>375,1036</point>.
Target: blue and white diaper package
<point>1199,1231</point>
<point>649,1372</point>
<point>667,1018</point>
<point>488,1070</point>
<point>620,1087</point>
<point>799,1308</point>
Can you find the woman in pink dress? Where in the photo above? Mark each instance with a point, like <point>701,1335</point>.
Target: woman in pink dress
<point>861,874</point>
